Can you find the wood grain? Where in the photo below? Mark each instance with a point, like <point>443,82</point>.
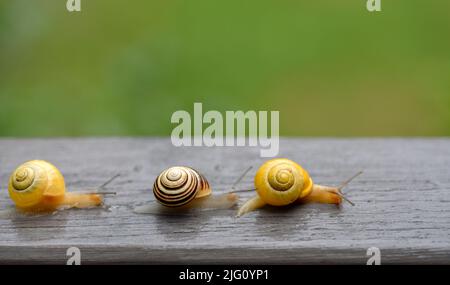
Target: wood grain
<point>402,204</point>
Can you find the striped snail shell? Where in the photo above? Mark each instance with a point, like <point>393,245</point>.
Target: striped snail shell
<point>179,185</point>
<point>33,180</point>
<point>280,182</point>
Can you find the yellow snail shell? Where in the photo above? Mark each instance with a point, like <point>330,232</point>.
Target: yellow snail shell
<point>38,185</point>
<point>281,181</point>
<point>179,185</point>
<point>31,182</point>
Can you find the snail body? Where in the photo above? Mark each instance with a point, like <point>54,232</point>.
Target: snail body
<point>37,186</point>
<point>280,182</point>
<point>182,188</point>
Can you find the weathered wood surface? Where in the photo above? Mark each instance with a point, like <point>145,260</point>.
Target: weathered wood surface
<point>402,204</point>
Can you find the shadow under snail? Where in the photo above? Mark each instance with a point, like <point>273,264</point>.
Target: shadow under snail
<point>280,182</point>
<point>182,188</point>
<point>38,186</point>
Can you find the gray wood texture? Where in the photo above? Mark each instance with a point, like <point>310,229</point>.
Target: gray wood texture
<point>402,204</point>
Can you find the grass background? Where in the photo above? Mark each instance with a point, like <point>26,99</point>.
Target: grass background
<point>123,67</point>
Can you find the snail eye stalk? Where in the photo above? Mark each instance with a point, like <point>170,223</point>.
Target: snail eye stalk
<point>180,188</point>
<point>38,186</point>
<point>280,182</point>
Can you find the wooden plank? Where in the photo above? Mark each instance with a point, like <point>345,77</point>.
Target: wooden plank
<point>402,204</point>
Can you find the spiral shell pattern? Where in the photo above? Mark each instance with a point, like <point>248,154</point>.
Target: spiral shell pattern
<point>23,178</point>
<point>179,185</point>
<point>281,177</point>
<point>34,179</point>
<point>281,181</point>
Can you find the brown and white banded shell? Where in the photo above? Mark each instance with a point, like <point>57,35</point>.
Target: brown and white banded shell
<point>179,185</point>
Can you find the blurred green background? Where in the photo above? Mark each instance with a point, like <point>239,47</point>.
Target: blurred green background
<point>123,67</point>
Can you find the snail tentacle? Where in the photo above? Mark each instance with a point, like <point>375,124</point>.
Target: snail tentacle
<point>322,194</point>
<point>281,182</point>
<point>38,186</point>
<point>327,194</point>
<point>181,188</point>
<point>185,188</point>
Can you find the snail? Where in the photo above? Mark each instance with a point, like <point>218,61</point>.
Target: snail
<point>181,188</point>
<point>38,186</point>
<point>280,182</point>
